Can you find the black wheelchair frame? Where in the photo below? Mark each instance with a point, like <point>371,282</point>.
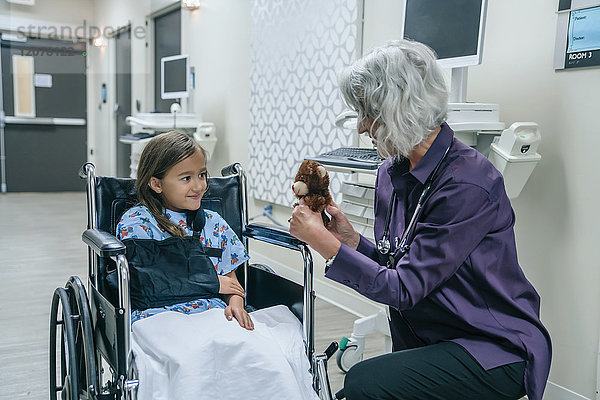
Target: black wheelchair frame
<point>90,329</point>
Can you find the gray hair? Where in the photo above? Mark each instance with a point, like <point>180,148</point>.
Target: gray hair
<point>400,86</point>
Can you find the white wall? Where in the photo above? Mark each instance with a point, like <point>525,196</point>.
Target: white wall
<point>217,38</point>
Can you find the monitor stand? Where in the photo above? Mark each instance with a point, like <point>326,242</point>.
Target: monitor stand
<point>474,124</point>
<point>458,85</point>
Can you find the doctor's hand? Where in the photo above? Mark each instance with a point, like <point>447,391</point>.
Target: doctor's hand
<point>307,226</point>
<point>341,228</point>
<point>230,285</point>
<point>236,310</point>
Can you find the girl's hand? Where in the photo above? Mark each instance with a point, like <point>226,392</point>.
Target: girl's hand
<point>230,285</point>
<point>341,228</point>
<point>236,310</point>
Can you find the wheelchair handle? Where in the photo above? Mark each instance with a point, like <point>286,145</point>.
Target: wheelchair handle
<point>232,169</point>
<point>83,171</point>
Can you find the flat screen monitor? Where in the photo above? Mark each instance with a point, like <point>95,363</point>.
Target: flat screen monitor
<point>452,28</point>
<point>174,77</point>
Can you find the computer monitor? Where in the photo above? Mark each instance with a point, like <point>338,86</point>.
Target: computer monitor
<point>174,77</point>
<point>452,28</point>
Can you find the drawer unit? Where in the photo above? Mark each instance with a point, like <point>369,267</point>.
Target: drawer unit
<point>357,203</point>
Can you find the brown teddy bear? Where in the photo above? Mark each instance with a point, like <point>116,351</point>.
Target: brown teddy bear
<point>312,185</point>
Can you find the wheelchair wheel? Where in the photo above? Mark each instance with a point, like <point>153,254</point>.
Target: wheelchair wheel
<point>78,373</point>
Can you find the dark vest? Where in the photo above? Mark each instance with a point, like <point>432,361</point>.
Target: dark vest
<point>170,271</point>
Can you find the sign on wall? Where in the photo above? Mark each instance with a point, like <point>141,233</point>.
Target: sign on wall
<point>298,47</point>
<point>577,34</point>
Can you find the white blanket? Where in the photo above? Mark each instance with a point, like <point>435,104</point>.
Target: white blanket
<point>205,356</point>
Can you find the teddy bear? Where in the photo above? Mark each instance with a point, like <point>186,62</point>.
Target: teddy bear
<point>312,185</point>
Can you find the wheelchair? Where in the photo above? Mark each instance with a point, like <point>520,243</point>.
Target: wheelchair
<point>90,324</point>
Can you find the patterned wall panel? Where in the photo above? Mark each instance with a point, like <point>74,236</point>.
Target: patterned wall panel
<point>297,49</point>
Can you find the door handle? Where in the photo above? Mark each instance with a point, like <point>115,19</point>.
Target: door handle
<point>44,121</point>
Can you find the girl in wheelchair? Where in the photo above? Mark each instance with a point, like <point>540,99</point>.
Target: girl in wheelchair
<point>172,178</point>
<point>185,356</point>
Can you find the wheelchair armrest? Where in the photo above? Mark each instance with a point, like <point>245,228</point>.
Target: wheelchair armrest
<point>273,234</point>
<point>103,243</point>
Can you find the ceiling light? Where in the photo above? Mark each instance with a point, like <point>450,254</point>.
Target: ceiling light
<point>99,41</point>
<point>191,4</point>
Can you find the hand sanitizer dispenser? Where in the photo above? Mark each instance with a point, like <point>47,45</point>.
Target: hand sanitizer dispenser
<point>206,136</point>
<point>515,155</point>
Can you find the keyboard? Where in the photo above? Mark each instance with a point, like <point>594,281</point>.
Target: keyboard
<point>350,157</point>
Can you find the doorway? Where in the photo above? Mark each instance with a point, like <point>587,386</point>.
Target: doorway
<point>45,149</point>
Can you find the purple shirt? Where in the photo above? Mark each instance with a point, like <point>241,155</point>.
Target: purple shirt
<point>460,280</point>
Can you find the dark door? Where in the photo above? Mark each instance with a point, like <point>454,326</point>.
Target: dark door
<point>123,100</point>
<point>45,155</point>
<point>167,42</point>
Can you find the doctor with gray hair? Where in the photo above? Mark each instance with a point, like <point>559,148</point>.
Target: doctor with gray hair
<point>464,319</point>
<point>400,90</point>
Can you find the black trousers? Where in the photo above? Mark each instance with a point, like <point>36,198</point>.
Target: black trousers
<point>443,371</point>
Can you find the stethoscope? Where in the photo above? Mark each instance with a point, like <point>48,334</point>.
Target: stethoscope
<point>383,245</point>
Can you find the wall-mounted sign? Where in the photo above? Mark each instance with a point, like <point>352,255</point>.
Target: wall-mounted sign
<point>42,80</point>
<point>578,34</point>
<point>583,40</point>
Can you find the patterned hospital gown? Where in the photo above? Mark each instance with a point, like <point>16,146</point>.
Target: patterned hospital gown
<point>139,223</point>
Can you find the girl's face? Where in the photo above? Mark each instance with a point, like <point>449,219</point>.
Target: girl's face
<point>183,185</point>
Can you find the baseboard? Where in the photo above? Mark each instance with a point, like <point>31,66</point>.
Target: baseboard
<point>557,392</point>
<point>352,302</point>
